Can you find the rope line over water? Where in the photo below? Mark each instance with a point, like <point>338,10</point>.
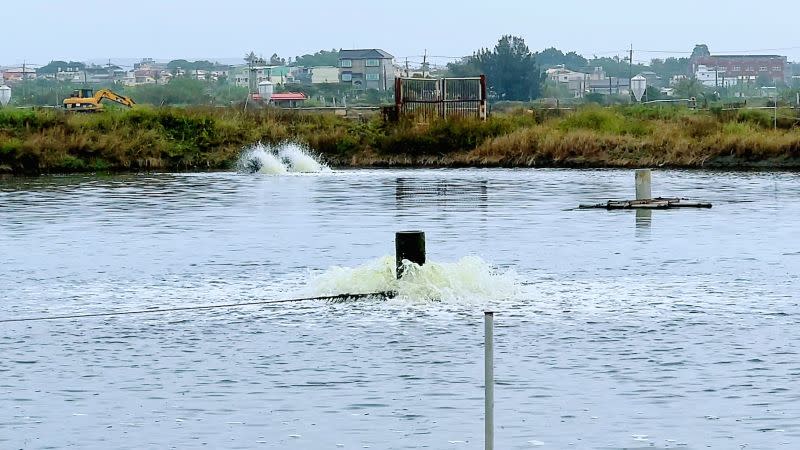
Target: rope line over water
<point>330,298</point>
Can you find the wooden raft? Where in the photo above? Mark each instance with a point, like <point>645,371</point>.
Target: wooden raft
<point>653,203</point>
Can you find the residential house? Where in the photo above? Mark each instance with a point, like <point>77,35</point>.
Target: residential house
<point>652,79</point>
<point>576,82</point>
<point>148,63</point>
<point>151,75</point>
<point>366,69</point>
<point>278,75</point>
<point>288,99</point>
<point>16,74</point>
<point>61,70</point>
<point>103,74</point>
<point>316,75</point>
<point>610,85</point>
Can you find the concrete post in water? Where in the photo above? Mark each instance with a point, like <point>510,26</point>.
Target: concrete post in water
<point>643,189</point>
<point>409,245</point>
<point>489,382</point>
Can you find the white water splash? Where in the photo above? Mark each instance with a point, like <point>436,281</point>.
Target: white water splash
<point>470,278</point>
<point>282,159</point>
<point>299,160</point>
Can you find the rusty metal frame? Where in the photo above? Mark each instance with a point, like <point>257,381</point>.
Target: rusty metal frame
<point>430,98</point>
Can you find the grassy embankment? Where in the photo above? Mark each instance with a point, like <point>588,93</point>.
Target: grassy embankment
<point>50,141</point>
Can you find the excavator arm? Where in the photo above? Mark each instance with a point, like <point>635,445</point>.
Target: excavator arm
<point>114,97</point>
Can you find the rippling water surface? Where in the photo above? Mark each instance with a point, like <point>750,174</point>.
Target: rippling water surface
<point>678,329</point>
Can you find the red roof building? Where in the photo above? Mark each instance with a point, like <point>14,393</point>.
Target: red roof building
<point>288,99</point>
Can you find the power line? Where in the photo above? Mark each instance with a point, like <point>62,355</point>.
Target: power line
<point>330,298</point>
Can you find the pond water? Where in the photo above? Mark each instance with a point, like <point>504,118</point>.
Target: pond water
<point>676,329</point>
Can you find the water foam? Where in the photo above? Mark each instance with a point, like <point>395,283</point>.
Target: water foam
<point>299,160</point>
<point>470,278</point>
<point>285,158</point>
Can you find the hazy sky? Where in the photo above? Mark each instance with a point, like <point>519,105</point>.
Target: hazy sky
<point>38,31</point>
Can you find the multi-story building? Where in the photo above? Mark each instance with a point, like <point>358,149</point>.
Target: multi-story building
<point>247,76</point>
<point>576,82</point>
<point>366,69</point>
<point>743,67</point>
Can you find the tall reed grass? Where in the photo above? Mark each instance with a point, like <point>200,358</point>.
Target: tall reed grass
<point>211,138</point>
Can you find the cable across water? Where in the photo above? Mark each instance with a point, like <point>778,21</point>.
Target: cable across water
<point>330,298</point>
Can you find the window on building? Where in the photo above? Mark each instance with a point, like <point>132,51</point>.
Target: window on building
<point>346,63</point>
<point>762,69</point>
<point>737,68</point>
<point>347,77</point>
<point>373,77</point>
<point>776,69</point>
<point>373,62</point>
<point>749,68</point>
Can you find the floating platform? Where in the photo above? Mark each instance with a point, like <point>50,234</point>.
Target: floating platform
<point>653,203</point>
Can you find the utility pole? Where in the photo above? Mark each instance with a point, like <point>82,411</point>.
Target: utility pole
<point>406,66</point>
<point>24,83</point>
<point>424,62</point>
<point>776,107</point>
<point>630,65</point>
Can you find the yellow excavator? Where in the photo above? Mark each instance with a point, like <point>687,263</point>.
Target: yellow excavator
<point>86,100</point>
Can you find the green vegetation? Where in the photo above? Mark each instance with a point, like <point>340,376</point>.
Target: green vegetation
<point>320,58</point>
<point>510,69</point>
<point>50,141</point>
<point>178,92</point>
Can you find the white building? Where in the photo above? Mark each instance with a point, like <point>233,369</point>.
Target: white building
<point>324,74</point>
<point>577,82</point>
<point>714,77</point>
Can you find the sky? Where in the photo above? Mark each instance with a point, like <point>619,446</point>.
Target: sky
<point>38,31</point>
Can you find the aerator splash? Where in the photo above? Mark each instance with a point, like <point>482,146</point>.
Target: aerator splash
<point>281,159</point>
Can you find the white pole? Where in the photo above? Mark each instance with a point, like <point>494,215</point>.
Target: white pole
<point>643,189</point>
<point>776,107</point>
<point>489,381</point>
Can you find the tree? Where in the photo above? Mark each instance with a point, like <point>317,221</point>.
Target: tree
<point>670,67</point>
<point>652,93</point>
<point>254,60</point>
<point>465,67</point>
<point>275,60</point>
<point>617,67</point>
<point>688,88</point>
<point>60,66</point>
<point>700,50</point>
<point>552,57</point>
<point>510,69</point>
<point>320,58</point>
<point>178,64</point>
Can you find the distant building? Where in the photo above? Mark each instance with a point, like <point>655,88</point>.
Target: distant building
<point>288,99</point>
<point>277,75</point>
<point>61,70</point>
<point>15,74</point>
<point>610,86</point>
<point>576,82</point>
<point>652,79</point>
<point>667,91</point>
<point>316,75</point>
<point>324,75</point>
<point>102,74</point>
<point>715,77</point>
<point>771,67</point>
<point>366,69</point>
